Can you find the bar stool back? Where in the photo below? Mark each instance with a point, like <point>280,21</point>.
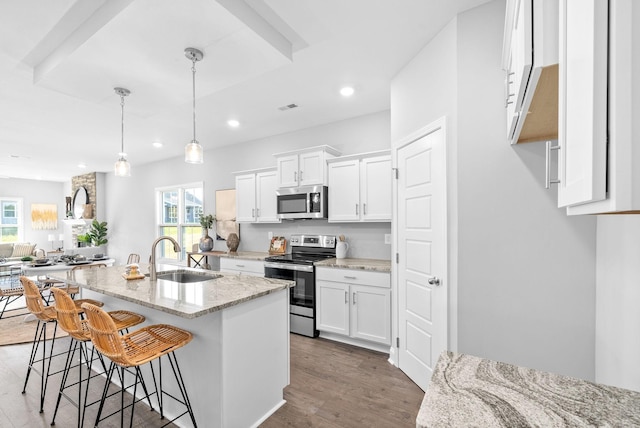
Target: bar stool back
<point>135,349</point>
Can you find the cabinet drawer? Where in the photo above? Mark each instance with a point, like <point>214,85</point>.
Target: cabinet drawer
<point>242,265</point>
<point>354,276</point>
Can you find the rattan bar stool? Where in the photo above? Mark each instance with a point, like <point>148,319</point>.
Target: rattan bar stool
<point>135,349</point>
<point>44,314</point>
<point>69,320</point>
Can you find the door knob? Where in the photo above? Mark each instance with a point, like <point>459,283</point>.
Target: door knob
<point>434,280</point>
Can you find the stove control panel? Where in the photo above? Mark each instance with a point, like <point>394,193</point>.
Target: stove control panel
<point>319,241</point>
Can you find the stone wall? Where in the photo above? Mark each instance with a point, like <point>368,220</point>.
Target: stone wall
<point>88,181</point>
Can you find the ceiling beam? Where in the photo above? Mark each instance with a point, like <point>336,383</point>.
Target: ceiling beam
<point>259,25</point>
<point>78,25</point>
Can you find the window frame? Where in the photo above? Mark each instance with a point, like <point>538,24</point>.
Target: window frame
<point>19,224</point>
<point>181,222</point>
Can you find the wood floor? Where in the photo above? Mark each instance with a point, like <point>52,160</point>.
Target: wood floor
<point>336,385</point>
<point>332,385</point>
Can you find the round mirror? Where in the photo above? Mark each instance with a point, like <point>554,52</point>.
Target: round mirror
<point>80,199</point>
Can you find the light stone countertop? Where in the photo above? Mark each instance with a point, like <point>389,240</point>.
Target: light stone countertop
<point>246,255</point>
<point>364,264</point>
<point>471,391</point>
<point>189,300</point>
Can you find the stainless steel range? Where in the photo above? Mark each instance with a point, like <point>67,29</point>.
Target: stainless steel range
<point>299,266</point>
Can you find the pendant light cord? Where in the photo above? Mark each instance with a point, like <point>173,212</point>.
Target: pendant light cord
<point>122,127</point>
<point>193,70</point>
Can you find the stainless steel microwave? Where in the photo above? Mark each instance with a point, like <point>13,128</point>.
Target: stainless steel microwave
<point>302,202</point>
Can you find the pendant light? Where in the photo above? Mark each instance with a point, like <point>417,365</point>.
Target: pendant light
<point>122,167</point>
<point>193,152</point>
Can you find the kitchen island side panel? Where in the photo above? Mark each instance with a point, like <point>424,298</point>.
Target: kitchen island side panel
<point>234,346</point>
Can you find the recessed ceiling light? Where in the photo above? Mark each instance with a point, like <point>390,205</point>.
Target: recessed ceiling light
<point>82,165</point>
<point>157,144</point>
<point>347,91</point>
<point>233,123</point>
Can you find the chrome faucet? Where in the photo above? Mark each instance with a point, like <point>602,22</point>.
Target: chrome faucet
<point>152,267</point>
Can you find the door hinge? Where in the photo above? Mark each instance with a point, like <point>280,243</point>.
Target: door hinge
<point>395,172</point>
<point>397,257</point>
<point>397,342</point>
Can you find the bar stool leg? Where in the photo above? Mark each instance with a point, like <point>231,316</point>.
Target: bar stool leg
<point>41,337</point>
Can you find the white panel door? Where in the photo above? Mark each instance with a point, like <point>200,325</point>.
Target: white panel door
<point>582,126</point>
<point>266,184</point>
<point>375,188</point>
<point>344,191</point>
<point>421,243</point>
<point>246,198</point>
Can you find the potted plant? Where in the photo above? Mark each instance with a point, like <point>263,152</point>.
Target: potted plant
<point>98,233</point>
<point>84,240</point>
<point>206,242</point>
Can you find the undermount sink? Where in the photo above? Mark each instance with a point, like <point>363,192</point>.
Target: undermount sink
<point>185,277</point>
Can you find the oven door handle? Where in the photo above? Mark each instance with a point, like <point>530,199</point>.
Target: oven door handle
<point>299,268</point>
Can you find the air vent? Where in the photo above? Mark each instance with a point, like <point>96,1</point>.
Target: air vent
<point>288,107</point>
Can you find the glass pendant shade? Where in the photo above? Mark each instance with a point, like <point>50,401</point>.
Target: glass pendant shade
<point>193,152</point>
<point>122,168</point>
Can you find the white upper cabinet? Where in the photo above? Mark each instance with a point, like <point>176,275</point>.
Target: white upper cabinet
<point>530,61</point>
<point>360,188</point>
<point>304,167</point>
<point>599,107</point>
<point>582,136</point>
<point>256,196</point>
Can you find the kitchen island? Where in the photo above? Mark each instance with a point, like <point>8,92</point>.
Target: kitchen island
<point>237,365</point>
<point>472,391</point>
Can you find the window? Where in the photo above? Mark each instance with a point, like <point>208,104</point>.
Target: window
<point>11,229</point>
<point>179,211</point>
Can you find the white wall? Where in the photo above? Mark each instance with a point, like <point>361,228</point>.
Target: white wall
<point>130,202</point>
<point>37,192</point>
<point>525,283</point>
<point>617,301</point>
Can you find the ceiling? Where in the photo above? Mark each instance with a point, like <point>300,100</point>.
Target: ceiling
<point>60,60</point>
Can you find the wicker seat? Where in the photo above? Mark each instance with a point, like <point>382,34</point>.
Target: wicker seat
<point>44,314</point>
<point>134,349</point>
<point>77,328</point>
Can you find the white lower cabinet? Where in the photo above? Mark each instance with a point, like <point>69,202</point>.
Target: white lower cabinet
<point>244,266</point>
<point>354,305</point>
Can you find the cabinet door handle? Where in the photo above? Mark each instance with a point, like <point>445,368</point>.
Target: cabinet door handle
<point>354,297</point>
<point>295,176</point>
<point>356,209</point>
<point>253,212</point>
<point>349,277</point>
<point>346,296</point>
<point>364,209</point>
<point>301,175</point>
<point>240,266</point>
<point>548,181</point>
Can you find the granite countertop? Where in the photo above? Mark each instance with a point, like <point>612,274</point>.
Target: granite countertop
<point>471,391</point>
<point>246,255</point>
<point>364,264</point>
<point>189,300</point>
